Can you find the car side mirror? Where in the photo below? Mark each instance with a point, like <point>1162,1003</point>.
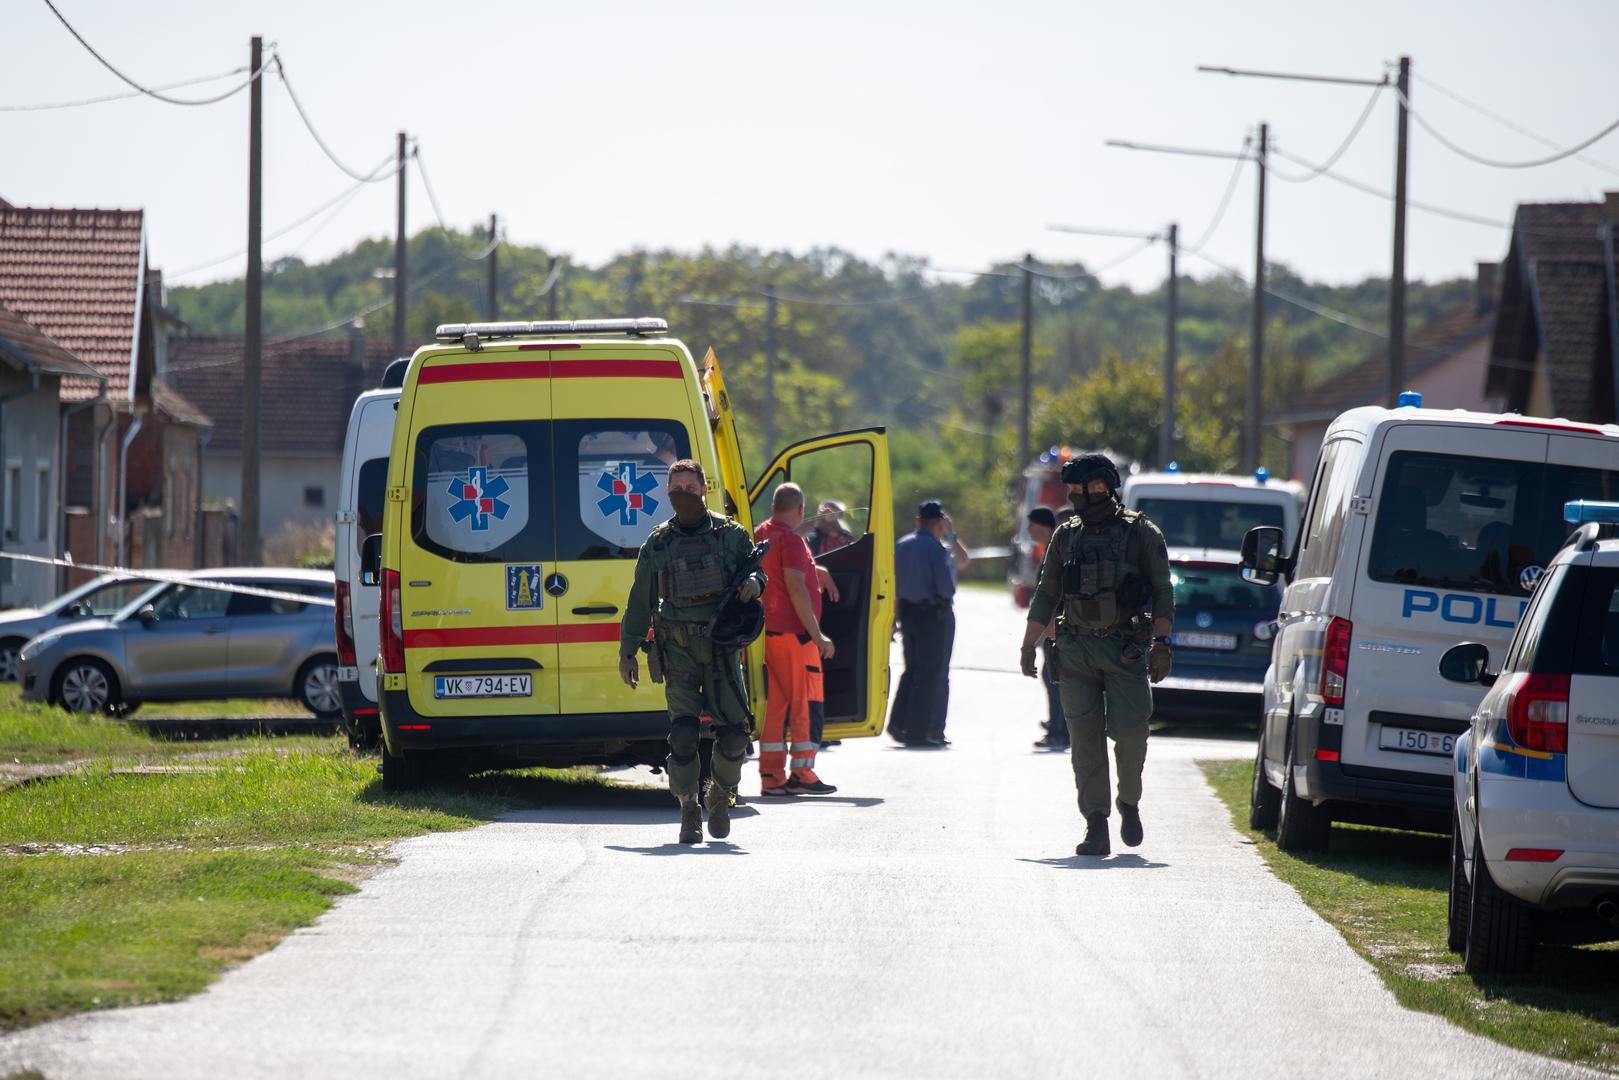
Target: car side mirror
<point>1262,559</point>
<point>1466,663</point>
<point>371,560</point>
<point>147,615</point>
<point>75,610</point>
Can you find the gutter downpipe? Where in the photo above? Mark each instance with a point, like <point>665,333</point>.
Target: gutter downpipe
<point>33,387</point>
<point>61,477</point>
<point>123,486</point>
<point>196,492</point>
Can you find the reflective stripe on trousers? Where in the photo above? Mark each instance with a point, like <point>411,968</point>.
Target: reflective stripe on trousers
<point>787,663</point>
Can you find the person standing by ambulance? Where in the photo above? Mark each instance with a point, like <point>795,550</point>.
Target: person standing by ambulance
<point>683,576</point>
<point>1103,568</point>
<point>925,574</point>
<point>794,650</point>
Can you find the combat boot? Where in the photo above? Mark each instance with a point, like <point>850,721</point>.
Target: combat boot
<point>1130,825</point>
<point>718,802</point>
<point>691,820</point>
<point>1096,841</point>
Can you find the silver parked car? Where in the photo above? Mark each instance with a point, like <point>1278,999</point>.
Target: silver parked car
<point>98,598</point>
<point>182,641</point>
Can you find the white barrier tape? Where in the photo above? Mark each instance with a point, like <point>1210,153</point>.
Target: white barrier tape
<point>176,579</point>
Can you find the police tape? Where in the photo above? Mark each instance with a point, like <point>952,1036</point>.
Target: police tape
<point>176,578</point>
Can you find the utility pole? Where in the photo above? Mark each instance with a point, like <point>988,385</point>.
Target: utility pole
<point>770,371</point>
<point>399,259</point>
<point>1397,272</point>
<point>1025,362</point>
<point>556,287</point>
<point>248,539</point>
<point>1256,334</point>
<point>493,312</point>
<point>1396,371</point>
<point>1166,429</point>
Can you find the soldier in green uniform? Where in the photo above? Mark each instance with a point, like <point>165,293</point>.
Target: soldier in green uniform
<point>1102,568</point>
<point>683,575</point>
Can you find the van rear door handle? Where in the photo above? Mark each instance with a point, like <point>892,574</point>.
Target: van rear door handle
<point>597,609</point>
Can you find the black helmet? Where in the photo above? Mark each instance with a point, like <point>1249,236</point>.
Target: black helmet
<point>1089,466</point>
<point>737,624</point>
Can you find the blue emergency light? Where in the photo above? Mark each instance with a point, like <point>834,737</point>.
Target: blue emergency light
<point>1173,466</point>
<point>1261,475</point>
<point>1582,511</point>
<point>1412,398</point>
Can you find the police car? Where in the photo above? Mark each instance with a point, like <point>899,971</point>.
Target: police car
<point>1425,527</point>
<point>1213,510</point>
<point>1535,807</point>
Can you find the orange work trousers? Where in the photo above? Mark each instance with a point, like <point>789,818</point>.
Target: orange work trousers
<point>787,711</point>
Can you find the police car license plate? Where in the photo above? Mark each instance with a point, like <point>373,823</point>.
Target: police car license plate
<point>461,686</point>
<point>1416,742</point>
<point>1194,640</point>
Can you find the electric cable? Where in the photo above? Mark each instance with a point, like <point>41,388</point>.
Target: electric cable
<point>1359,185</point>
<point>1225,201</point>
<point>1496,163</point>
<point>432,198</point>
<point>1298,301</point>
<point>365,178</point>
<point>1510,125</point>
<point>264,62</point>
<point>124,96</point>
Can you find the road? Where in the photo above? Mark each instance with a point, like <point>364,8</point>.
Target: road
<point>929,920</point>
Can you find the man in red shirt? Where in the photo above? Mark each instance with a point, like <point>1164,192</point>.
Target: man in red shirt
<point>794,649</point>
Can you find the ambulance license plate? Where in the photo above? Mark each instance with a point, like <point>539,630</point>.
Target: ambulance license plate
<point>464,686</point>
<point>1194,640</point>
<point>1416,742</point>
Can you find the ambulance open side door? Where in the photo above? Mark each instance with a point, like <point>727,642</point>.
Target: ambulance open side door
<point>733,491</point>
<point>851,468</point>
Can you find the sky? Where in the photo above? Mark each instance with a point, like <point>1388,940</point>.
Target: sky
<point>957,132</point>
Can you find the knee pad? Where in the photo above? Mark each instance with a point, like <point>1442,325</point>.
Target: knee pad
<point>683,734</point>
<point>733,744</point>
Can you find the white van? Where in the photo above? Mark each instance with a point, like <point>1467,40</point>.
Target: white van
<point>1424,527</point>
<point>361,489</point>
<point>1211,510</point>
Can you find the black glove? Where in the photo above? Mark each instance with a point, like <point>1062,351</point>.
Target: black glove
<point>1026,662</point>
<point>1159,661</point>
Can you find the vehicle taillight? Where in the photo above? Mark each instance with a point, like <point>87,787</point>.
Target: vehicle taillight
<point>392,625</point>
<point>1335,662</point>
<point>1537,712</point>
<point>345,626</point>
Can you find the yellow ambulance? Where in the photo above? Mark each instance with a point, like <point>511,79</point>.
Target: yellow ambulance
<point>529,462</point>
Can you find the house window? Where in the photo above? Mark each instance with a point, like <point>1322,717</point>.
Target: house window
<point>13,522</point>
<point>314,497</point>
<point>44,501</point>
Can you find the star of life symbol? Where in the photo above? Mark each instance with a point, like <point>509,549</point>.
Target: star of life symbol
<point>626,490</point>
<point>478,498</point>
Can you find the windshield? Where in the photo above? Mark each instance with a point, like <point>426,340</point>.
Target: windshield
<point>1449,521</point>
<point>146,596</point>
<point>1186,523</point>
<point>1221,588</point>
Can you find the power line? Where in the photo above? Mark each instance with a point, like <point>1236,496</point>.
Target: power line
<point>1358,185</point>
<point>1496,163</point>
<point>126,95</point>
<point>1354,133</point>
<point>421,167</point>
<point>364,178</point>
<point>149,91</point>
<point>1298,301</point>
<point>1225,202</point>
<point>1509,124</point>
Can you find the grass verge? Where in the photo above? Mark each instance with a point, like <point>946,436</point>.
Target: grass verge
<point>120,887</point>
<point>1386,892</point>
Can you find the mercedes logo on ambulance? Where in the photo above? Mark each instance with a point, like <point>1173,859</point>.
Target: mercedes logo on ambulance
<point>556,584</point>
<point>1528,576</point>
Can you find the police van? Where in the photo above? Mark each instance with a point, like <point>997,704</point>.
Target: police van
<point>1214,510</point>
<point>529,461</point>
<point>1423,527</point>
<point>362,481</point>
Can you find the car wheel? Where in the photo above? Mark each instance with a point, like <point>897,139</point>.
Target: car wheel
<point>9,648</point>
<point>1500,927</point>
<point>317,688</point>
<point>365,734</point>
<point>403,772</point>
<point>1300,824</point>
<point>1460,890</point>
<point>1264,801</point>
<point>87,686</point>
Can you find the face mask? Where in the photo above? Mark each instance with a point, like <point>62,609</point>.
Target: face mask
<point>689,508</point>
<point>1094,509</point>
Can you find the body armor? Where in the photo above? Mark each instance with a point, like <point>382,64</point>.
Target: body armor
<point>1100,583</point>
<point>692,573</point>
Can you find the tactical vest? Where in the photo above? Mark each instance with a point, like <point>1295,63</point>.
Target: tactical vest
<point>691,569</point>
<point>1101,576</point>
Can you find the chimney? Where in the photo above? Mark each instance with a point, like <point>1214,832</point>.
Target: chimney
<point>1610,207</point>
<point>1484,287</point>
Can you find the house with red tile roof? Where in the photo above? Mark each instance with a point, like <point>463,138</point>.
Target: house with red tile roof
<point>32,369</point>
<point>83,278</point>
<point>1445,361</point>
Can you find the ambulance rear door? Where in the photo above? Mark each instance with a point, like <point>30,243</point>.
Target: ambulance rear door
<point>850,467</point>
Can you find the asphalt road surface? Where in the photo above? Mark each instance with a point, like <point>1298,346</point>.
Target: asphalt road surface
<point>928,920</point>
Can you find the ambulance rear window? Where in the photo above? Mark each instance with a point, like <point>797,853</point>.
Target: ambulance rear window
<point>612,483</point>
<point>482,492</point>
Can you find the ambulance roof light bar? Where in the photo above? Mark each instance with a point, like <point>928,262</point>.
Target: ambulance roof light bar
<point>452,333</point>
